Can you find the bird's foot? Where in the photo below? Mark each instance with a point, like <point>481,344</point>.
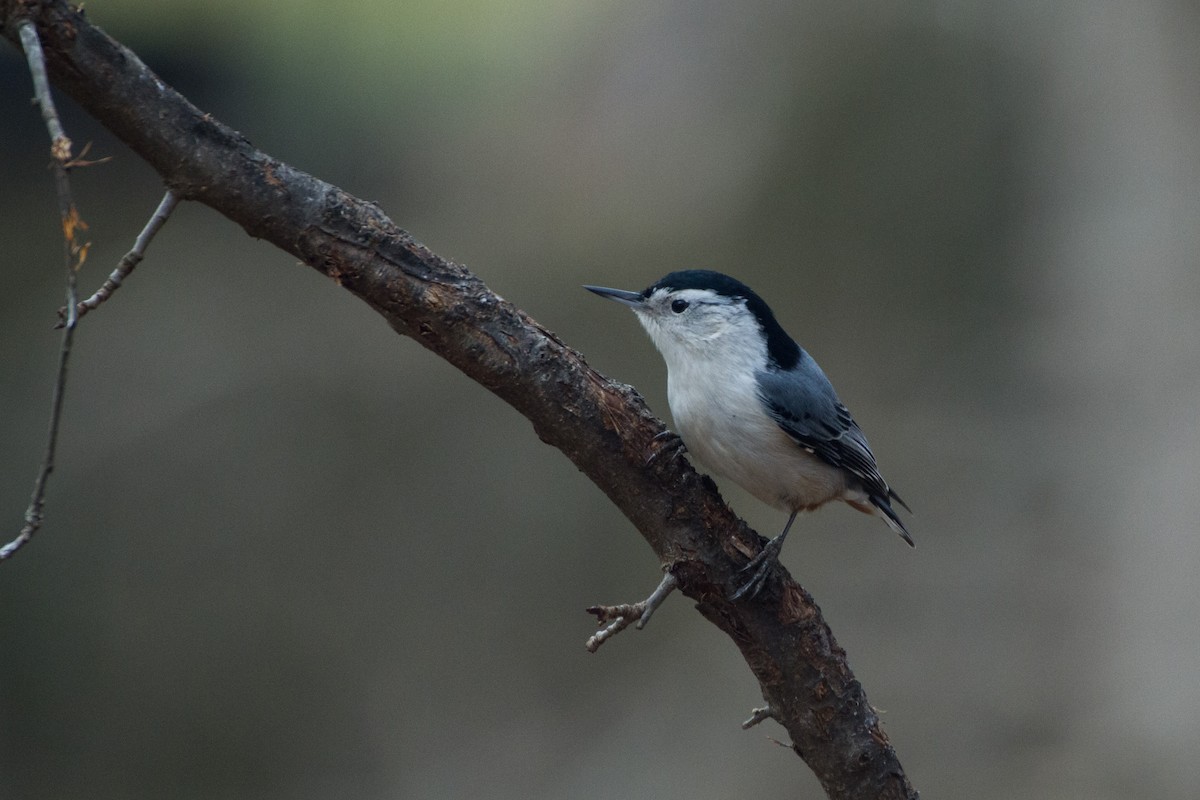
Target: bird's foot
<point>621,617</point>
<point>759,568</point>
<point>665,442</point>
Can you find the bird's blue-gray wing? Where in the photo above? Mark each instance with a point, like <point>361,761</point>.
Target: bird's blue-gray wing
<point>804,404</point>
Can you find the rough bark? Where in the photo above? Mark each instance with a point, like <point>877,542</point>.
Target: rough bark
<point>602,426</point>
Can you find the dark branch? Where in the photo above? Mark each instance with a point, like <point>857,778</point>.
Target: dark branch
<point>602,426</point>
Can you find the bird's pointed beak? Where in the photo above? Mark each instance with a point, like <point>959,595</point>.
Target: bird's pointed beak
<point>631,299</point>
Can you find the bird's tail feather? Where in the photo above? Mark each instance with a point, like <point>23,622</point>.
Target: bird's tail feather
<point>893,496</point>
<point>890,517</point>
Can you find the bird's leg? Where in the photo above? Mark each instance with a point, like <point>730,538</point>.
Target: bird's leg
<point>621,617</point>
<point>760,565</point>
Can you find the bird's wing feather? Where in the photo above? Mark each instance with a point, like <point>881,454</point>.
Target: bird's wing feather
<point>804,404</point>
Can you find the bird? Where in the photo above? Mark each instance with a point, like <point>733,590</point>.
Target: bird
<point>754,407</point>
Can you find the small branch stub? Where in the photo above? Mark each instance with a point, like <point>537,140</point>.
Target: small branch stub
<point>757,715</point>
<point>622,616</point>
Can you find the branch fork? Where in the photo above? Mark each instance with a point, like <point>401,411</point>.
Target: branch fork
<point>74,254</point>
<point>620,617</point>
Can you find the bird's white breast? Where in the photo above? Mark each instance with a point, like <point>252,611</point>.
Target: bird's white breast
<point>721,418</point>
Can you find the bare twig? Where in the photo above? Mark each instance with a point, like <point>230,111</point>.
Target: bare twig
<point>130,259</point>
<point>80,161</point>
<point>622,616</point>
<point>73,256</point>
<point>60,144</point>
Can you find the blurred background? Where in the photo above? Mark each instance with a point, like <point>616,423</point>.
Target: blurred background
<point>290,555</point>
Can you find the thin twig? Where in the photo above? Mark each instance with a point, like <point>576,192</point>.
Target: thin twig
<point>60,144</point>
<point>130,259</point>
<point>73,256</point>
<point>80,161</point>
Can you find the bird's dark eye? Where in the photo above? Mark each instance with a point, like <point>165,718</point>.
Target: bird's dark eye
<point>679,306</point>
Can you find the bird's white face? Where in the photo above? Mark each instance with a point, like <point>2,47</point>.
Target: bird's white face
<point>701,327</point>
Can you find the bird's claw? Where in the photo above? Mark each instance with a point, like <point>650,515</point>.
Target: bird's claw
<point>670,443</point>
<point>760,568</point>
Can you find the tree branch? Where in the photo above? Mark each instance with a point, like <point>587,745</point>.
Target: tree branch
<point>73,257</point>
<point>602,426</point>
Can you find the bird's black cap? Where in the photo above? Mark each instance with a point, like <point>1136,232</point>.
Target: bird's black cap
<point>785,354</point>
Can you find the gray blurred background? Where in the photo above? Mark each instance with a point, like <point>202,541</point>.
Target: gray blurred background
<point>291,555</point>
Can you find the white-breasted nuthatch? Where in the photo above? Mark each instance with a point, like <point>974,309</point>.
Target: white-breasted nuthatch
<point>753,406</point>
